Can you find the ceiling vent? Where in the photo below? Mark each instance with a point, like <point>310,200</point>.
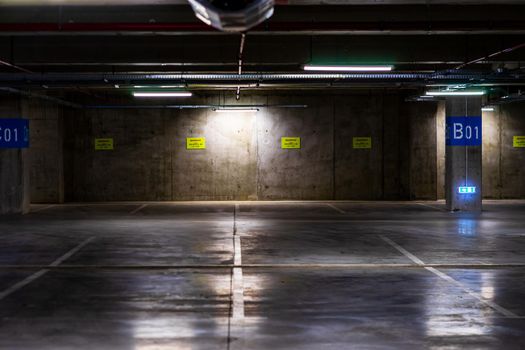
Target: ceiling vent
<point>232,15</point>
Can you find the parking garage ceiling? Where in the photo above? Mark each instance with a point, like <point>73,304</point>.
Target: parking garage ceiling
<point>57,46</point>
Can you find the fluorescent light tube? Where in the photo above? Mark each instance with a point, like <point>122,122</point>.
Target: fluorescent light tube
<point>157,86</point>
<point>163,94</point>
<point>455,93</point>
<point>488,109</point>
<point>348,68</point>
<point>236,110</point>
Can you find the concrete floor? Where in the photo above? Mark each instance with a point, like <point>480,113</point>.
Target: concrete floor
<point>263,275</point>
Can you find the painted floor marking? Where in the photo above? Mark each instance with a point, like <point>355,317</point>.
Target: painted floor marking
<point>238,284</point>
<point>136,210</point>
<point>336,208</point>
<point>236,329</point>
<point>236,211</point>
<point>449,279</point>
<point>431,206</point>
<point>403,250</point>
<point>42,272</point>
<point>43,208</point>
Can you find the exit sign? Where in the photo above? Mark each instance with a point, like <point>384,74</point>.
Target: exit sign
<point>14,133</point>
<point>466,189</point>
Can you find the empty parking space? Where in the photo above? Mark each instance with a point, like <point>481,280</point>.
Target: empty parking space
<point>302,276</point>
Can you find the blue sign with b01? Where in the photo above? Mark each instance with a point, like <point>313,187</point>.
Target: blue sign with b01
<point>14,133</point>
<point>463,131</point>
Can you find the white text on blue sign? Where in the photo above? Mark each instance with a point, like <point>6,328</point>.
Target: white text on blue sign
<point>463,131</point>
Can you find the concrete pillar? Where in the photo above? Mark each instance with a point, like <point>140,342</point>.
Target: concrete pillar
<point>14,169</point>
<point>463,153</point>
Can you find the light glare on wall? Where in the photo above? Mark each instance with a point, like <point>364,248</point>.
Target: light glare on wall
<point>348,68</point>
<point>163,94</point>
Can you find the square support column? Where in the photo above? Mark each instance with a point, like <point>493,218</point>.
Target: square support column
<point>14,166</point>
<point>463,154</point>
<point>14,181</point>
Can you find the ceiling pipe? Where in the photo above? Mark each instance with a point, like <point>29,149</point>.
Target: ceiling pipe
<point>29,94</point>
<point>196,78</point>
<point>7,64</point>
<point>271,27</point>
<point>488,57</point>
<point>241,50</point>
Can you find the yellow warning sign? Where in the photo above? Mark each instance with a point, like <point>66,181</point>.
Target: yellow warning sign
<point>195,143</point>
<point>290,142</point>
<point>104,144</point>
<point>519,141</point>
<point>361,142</point>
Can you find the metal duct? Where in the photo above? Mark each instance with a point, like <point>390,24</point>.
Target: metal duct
<point>245,78</point>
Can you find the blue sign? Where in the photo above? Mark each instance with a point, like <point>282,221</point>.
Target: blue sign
<point>14,133</point>
<point>463,131</point>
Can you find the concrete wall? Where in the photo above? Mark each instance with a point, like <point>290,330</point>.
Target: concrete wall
<point>306,173</point>
<point>503,164</point>
<point>46,151</point>
<point>244,159</point>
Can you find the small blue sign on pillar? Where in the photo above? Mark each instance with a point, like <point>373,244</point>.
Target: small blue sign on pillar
<point>463,131</point>
<point>14,133</point>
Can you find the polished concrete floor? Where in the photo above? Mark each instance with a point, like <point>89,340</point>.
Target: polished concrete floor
<point>263,275</point>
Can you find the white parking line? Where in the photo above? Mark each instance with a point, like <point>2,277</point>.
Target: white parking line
<point>449,279</point>
<point>238,283</point>
<point>237,257</point>
<point>236,331</point>
<point>236,211</point>
<point>431,206</point>
<point>134,211</point>
<point>336,208</point>
<point>403,250</point>
<point>42,272</point>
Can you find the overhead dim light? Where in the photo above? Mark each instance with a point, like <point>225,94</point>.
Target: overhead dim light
<point>236,110</point>
<point>348,68</point>
<point>487,109</point>
<point>163,94</point>
<point>455,93</point>
<point>158,86</point>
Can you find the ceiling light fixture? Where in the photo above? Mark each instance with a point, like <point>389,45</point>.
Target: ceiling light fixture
<point>487,109</point>
<point>348,68</point>
<point>236,110</point>
<point>455,93</point>
<point>158,86</point>
<point>163,94</point>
